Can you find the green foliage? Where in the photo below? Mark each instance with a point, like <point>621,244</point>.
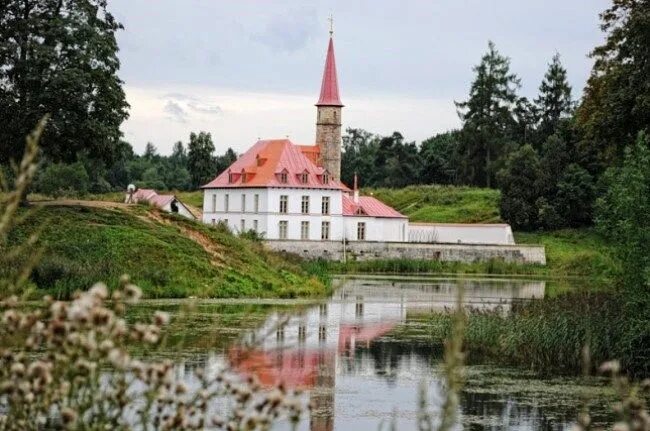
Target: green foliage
<point>442,204</point>
<point>548,335</point>
<point>440,158</point>
<point>519,188</point>
<point>487,116</point>
<point>554,101</point>
<point>623,216</point>
<point>616,103</point>
<point>60,57</point>
<point>200,159</point>
<point>60,179</point>
<point>575,195</point>
<point>172,257</point>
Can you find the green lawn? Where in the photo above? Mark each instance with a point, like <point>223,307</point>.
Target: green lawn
<point>166,255</point>
<point>442,204</point>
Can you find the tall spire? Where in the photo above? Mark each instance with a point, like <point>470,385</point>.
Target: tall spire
<point>329,91</point>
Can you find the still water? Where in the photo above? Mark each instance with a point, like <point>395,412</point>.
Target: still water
<point>362,355</point>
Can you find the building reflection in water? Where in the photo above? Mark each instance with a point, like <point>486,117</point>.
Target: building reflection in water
<point>311,348</point>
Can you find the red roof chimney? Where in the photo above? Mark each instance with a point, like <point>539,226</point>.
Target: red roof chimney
<point>329,91</point>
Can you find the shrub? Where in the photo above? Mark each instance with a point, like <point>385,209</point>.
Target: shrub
<point>61,179</point>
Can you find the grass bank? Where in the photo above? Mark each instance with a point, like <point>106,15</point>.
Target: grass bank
<point>165,255</point>
<point>569,253</point>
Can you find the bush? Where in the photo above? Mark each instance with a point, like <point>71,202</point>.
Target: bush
<point>60,179</point>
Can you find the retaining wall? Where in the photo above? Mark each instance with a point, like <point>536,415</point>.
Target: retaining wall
<point>370,250</point>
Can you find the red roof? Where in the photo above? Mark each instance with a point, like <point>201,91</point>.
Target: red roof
<point>149,195</point>
<point>368,206</point>
<point>329,90</point>
<point>269,162</point>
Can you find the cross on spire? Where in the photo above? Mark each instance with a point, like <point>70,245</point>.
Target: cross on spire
<point>331,20</point>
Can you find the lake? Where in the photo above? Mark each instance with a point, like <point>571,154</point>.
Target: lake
<point>362,355</point>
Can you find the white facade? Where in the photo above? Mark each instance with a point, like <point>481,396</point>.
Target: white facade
<point>450,233</point>
<point>260,209</point>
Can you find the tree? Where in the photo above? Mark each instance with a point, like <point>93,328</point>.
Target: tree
<point>150,152</point>
<point>200,159</point>
<point>518,182</point>
<point>487,116</point>
<point>224,161</point>
<point>179,155</point>
<point>622,213</point>
<point>616,102</point>
<point>358,156</point>
<point>60,179</point>
<point>60,57</point>
<point>438,156</point>
<point>575,196</point>
<point>554,101</point>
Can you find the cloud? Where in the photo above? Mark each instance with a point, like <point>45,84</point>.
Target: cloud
<point>290,31</point>
<point>205,108</point>
<point>175,112</point>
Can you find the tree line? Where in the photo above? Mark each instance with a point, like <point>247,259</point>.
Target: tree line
<point>549,156</point>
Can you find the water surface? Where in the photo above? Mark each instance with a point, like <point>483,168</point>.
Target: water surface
<point>361,356</point>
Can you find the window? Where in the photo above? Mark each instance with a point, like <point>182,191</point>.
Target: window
<point>284,227</point>
<point>256,203</point>
<point>304,230</point>
<point>242,226</point>
<point>255,225</point>
<point>326,177</point>
<point>361,231</point>
<point>304,177</point>
<point>243,203</point>
<point>231,177</point>
<point>305,205</point>
<point>284,204</point>
<point>226,202</point>
<point>325,230</point>
<point>283,177</point>
<point>214,203</point>
<point>325,205</point>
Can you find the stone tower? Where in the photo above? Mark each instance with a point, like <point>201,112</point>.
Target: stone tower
<point>328,120</point>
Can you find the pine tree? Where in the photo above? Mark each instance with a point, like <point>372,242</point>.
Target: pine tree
<point>487,116</point>
<point>519,188</point>
<point>554,101</point>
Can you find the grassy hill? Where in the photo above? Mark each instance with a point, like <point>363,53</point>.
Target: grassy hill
<point>442,204</point>
<point>165,255</point>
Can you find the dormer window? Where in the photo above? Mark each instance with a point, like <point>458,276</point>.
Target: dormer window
<point>304,177</point>
<point>231,177</point>
<point>244,176</point>
<point>284,177</point>
<point>326,177</point>
<point>360,211</point>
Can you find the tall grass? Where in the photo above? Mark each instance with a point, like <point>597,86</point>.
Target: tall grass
<point>548,335</point>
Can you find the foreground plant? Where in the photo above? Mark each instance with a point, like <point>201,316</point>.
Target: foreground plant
<point>66,364</point>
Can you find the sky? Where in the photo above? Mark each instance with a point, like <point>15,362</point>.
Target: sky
<point>249,69</point>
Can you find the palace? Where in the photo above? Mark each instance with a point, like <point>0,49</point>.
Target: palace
<point>287,191</point>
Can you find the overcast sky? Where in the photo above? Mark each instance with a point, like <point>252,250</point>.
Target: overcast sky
<point>247,69</point>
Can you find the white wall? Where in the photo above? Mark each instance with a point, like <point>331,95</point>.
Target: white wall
<point>377,228</point>
<point>268,217</point>
<point>461,234</point>
<point>182,210</point>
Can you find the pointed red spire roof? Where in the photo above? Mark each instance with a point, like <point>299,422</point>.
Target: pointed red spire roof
<point>329,91</point>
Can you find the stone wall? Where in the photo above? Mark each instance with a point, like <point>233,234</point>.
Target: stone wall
<point>368,250</point>
<point>328,138</point>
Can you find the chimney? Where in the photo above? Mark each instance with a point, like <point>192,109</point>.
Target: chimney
<point>356,189</point>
